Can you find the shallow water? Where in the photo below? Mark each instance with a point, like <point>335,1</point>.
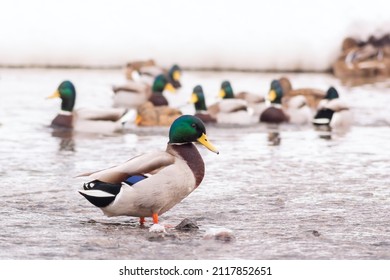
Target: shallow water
<point>306,198</point>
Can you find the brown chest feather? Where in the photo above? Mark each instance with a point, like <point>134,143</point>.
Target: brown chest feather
<point>65,121</point>
<point>193,158</point>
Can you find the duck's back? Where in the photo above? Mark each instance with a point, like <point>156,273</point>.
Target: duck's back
<point>205,117</point>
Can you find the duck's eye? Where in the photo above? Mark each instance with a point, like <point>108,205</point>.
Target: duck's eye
<point>193,125</point>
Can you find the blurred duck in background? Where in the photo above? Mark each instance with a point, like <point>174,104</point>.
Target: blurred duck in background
<point>333,113</point>
<point>160,85</point>
<point>131,95</point>
<point>156,111</point>
<point>313,96</point>
<point>147,71</point>
<point>230,110</point>
<point>199,101</point>
<point>363,59</point>
<point>134,94</point>
<point>295,106</point>
<point>90,120</point>
<point>275,113</point>
<point>298,110</point>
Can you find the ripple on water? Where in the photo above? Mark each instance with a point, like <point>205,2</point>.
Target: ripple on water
<point>302,198</point>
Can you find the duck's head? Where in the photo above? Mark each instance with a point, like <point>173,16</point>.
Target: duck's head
<point>226,90</point>
<point>187,129</point>
<point>67,92</point>
<point>198,99</point>
<point>331,94</point>
<point>174,73</point>
<point>275,93</point>
<point>161,83</point>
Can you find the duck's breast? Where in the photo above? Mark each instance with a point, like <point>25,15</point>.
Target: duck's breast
<point>273,115</point>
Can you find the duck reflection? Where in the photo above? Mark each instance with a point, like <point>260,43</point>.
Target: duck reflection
<point>66,139</point>
<point>324,131</point>
<point>273,138</point>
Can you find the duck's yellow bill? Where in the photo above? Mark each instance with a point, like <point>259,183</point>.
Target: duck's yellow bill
<point>56,94</point>
<point>138,119</point>
<point>222,93</point>
<point>205,142</point>
<point>169,87</point>
<point>176,75</point>
<point>194,98</point>
<point>271,95</point>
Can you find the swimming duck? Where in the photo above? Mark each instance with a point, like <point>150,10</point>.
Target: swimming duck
<point>333,112</point>
<point>160,84</point>
<point>173,74</point>
<point>150,115</point>
<point>230,110</point>
<point>132,68</point>
<point>274,114</point>
<point>97,120</point>
<point>198,99</point>
<point>298,110</point>
<point>131,95</point>
<point>361,59</point>
<point>150,184</point>
<point>254,102</point>
<point>313,96</point>
<point>156,111</point>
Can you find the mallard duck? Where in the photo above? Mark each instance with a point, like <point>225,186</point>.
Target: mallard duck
<point>312,95</point>
<point>198,99</point>
<point>298,110</point>
<point>274,114</point>
<point>150,184</point>
<point>156,112</point>
<point>230,110</point>
<point>173,74</point>
<point>103,121</point>
<point>333,112</point>
<point>361,59</point>
<point>298,104</point>
<point>132,68</point>
<point>131,95</point>
<point>159,86</point>
<point>150,115</point>
<point>254,102</point>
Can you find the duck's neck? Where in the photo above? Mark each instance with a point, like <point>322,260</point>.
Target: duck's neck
<point>191,155</point>
<point>200,106</point>
<point>277,101</point>
<point>67,104</point>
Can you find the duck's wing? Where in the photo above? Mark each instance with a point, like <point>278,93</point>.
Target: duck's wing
<point>232,105</point>
<point>144,163</point>
<point>250,97</point>
<point>337,105</point>
<point>132,86</point>
<point>100,114</point>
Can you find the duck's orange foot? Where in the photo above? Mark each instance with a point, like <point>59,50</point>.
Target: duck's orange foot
<point>156,227</point>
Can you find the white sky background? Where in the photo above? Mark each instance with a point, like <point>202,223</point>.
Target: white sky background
<point>238,34</point>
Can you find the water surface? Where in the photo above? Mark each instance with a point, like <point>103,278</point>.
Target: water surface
<point>306,198</point>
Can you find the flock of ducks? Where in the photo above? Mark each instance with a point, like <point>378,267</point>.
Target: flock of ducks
<point>150,184</point>
<point>364,59</point>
